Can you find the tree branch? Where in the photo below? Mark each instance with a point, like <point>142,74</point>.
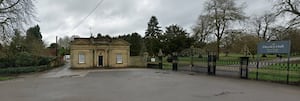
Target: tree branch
<point>1,1</point>
<point>11,6</point>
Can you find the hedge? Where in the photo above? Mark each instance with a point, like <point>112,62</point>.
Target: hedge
<point>24,59</point>
<point>20,70</point>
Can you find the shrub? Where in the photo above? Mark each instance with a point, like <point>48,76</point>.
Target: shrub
<point>44,60</point>
<point>25,59</point>
<point>6,62</point>
<point>19,70</point>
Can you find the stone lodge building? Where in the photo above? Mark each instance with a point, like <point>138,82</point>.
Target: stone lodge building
<point>99,52</point>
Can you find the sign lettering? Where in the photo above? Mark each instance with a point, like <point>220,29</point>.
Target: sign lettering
<point>275,47</point>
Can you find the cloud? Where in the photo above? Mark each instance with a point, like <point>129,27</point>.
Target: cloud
<point>115,17</point>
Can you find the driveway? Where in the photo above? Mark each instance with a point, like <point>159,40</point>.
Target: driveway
<point>140,85</point>
<point>65,71</point>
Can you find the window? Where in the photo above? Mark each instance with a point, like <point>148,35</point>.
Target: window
<point>81,58</point>
<point>119,59</point>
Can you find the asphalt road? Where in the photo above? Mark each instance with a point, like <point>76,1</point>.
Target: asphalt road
<point>142,85</point>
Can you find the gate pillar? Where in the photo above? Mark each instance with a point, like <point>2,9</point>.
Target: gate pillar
<point>212,59</point>
<point>244,62</point>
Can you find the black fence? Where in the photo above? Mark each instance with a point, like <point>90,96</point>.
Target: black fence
<point>269,69</point>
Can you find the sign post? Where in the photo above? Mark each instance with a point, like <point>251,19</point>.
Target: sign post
<point>274,47</point>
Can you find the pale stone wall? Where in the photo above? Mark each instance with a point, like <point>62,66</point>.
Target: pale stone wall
<point>113,58</point>
<point>92,52</point>
<point>75,59</point>
<point>137,61</point>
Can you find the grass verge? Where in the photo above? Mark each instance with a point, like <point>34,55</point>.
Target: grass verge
<point>278,76</point>
<point>3,78</point>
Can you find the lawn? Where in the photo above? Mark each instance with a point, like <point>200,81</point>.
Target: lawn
<point>230,59</point>
<point>278,76</point>
<point>278,73</point>
<point>3,78</point>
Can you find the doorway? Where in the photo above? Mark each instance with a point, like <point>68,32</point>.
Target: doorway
<point>100,61</point>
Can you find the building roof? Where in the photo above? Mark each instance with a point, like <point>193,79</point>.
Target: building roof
<point>99,41</point>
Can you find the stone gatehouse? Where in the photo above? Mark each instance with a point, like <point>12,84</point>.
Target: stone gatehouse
<point>99,52</point>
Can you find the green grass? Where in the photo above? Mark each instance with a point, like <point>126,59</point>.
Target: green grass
<point>230,56</point>
<point>277,73</point>
<point>167,65</point>
<point>3,78</point>
<point>277,77</point>
<point>274,73</point>
<point>283,67</point>
<point>231,59</point>
<point>220,62</point>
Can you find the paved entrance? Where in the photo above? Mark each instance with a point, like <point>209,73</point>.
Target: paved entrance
<point>143,85</point>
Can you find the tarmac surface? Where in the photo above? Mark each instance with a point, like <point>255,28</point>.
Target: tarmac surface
<point>63,84</point>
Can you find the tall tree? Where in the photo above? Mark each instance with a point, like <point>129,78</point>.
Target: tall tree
<point>152,36</point>
<point>262,26</point>
<point>34,42</point>
<point>15,14</point>
<point>153,30</point>
<point>64,45</point>
<point>18,43</point>
<point>292,34</point>
<point>64,41</point>
<point>201,30</point>
<point>53,46</point>
<point>33,33</point>
<point>230,38</point>
<point>176,39</point>
<point>222,14</point>
<point>136,42</point>
<point>246,42</point>
<point>15,46</point>
<point>290,8</point>
<point>280,32</point>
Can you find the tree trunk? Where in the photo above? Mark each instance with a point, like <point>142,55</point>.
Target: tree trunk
<point>218,48</point>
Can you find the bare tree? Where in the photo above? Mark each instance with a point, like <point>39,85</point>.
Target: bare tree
<point>291,8</point>
<point>279,32</point>
<point>262,26</point>
<point>229,40</point>
<point>15,14</point>
<point>222,14</point>
<point>202,29</point>
<point>64,42</point>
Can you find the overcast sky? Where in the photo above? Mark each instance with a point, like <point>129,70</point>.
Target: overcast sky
<point>118,17</point>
